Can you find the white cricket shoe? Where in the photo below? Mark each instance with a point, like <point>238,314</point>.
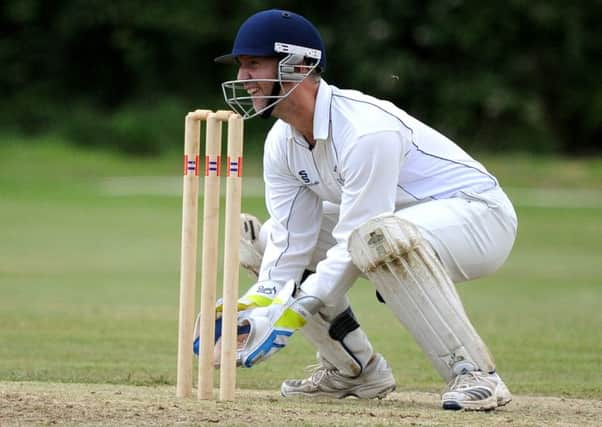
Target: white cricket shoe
<point>376,381</point>
<point>476,391</point>
<point>250,251</point>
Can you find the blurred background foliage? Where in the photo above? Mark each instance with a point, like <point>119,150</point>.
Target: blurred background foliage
<point>514,75</point>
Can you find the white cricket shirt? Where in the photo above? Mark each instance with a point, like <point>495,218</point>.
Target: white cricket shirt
<point>370,157</point>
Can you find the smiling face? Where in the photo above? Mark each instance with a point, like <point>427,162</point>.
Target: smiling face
<point>258,68</point>
<point>270,86</point>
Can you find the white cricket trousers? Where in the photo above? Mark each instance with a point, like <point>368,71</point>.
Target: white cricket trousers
<point>472,233</point>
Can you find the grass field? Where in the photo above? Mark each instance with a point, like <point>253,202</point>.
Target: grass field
<point>89,278</point>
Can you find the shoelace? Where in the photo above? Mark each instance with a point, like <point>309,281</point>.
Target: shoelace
<point>464,380</point>
<point>318,372</point>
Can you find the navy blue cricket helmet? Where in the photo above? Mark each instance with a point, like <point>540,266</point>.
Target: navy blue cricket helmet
<point>260,33</point>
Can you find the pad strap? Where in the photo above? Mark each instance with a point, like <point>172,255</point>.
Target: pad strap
<point>342,325</point>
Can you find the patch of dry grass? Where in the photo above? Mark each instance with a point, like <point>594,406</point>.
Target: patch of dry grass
<point>29,403</point>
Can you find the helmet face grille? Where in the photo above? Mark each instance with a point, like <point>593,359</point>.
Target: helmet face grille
<point>261,32</point>
<point>240,101</point>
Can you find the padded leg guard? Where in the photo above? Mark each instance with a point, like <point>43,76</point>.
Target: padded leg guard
<point>415,286</point>
<point>339,340</point>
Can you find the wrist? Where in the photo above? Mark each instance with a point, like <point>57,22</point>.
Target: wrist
<point>299,308</point>
<point>261,294</point>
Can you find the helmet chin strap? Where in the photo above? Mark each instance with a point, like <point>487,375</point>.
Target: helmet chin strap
<point>276,88</point>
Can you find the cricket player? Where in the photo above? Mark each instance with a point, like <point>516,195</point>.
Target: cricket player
<point>354,187</point>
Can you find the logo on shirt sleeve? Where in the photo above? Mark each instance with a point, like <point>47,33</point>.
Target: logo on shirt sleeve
<point>304,176</point>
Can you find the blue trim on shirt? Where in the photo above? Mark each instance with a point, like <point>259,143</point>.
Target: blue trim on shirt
<point>488,175</point>
<point>288,233</point>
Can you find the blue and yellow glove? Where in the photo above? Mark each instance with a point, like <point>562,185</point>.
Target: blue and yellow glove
<point>270,327</point>
<point>261,294</point>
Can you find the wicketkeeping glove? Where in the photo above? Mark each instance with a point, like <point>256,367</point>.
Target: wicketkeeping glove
<point>260,294</point>
<point>270,327</point>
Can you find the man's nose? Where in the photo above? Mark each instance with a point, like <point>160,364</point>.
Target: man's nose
<point>243,74</point>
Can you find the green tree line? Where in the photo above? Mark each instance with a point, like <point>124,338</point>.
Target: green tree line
<point>496,75</point>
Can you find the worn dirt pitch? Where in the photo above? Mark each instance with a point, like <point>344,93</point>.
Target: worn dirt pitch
<point>24,404</point>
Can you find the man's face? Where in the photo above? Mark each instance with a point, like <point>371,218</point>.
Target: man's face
<point>255,67</point>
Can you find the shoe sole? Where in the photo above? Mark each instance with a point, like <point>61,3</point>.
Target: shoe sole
<point>380,395</point>
<point>482,405</point>
<point>361,395</point>
<point>503,401</point>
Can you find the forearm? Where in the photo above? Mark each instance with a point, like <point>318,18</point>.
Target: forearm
<point>333,278</point>
<point>295,218</point>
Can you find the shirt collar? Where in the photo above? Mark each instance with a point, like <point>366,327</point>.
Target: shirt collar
<point>321,114</point>
<point>322,111</point>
